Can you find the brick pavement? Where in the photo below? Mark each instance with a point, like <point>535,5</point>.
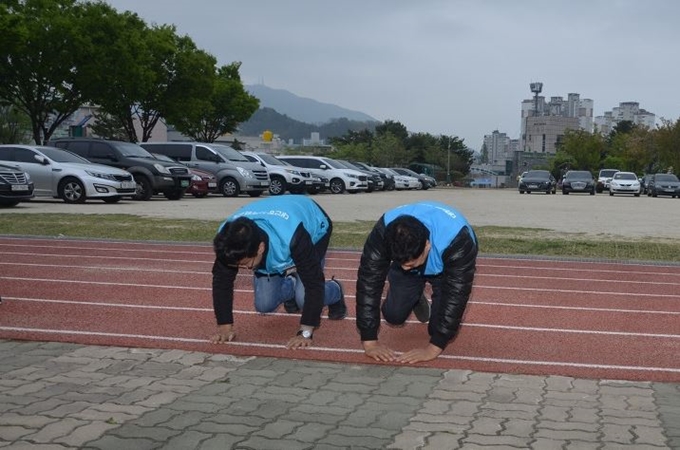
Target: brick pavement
<point>68,396</point>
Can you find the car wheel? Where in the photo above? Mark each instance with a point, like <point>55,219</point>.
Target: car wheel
<point>71,190</point>
<point>611,194</point>
<point>254,194</point>
<point>313,190</point>
<point>277,185</point>
<point>8,203</point>
<point>654,194</point>
<point>521,192</point>
<point>564,192</point>
<point>144,189</point>
<point>337,186</point>
<point>112,199</point>
<point>229,187</point>
<point>173,195</point>
<point>637,194</point>
<point>592,192</point>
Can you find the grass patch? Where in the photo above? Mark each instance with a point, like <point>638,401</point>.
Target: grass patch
<point>350,235</point>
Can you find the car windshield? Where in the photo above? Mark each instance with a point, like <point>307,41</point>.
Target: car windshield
<point>62,156</point>
<point>134,150</point>
<point>578,175</point>
<point>349,165</point>
<point>537,174</point>
<point>229,153</point>
<point>625,176</point>
<point>608,172</point>
<point>666,177</point>
<point>333,163</point>
<point>272,160</point>
<point>163,157</point>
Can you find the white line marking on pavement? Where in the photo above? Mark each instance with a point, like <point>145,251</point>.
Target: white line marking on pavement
<point>342,350</point>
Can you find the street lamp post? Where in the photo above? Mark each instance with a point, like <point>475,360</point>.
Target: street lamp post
<point>448,163</point>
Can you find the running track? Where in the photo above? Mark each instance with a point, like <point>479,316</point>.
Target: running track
<point>528,316</point>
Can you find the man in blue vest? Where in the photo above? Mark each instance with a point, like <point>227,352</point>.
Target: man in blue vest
<point>283,240</point>
<point>411,245</point>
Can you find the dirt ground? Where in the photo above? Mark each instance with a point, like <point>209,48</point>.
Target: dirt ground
<point>598,215</point>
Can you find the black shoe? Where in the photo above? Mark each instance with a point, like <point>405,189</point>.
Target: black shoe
<point>291,306</point>
<point>422,309</point>
<point>338,310</point>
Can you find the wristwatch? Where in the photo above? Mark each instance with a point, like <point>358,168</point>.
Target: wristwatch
<point>307,334</point>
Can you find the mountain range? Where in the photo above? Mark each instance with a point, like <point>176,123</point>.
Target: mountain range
<point>303,109</point>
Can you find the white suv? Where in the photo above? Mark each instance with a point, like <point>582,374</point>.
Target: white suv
<point>282,176</point>
<point>341,178</point>
<point>604,178</point>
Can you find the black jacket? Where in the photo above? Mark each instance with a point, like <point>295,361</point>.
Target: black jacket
<point>458,275</point>
<point>307,258</point>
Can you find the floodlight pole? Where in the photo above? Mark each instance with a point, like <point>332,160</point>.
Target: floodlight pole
<point>448,163</point>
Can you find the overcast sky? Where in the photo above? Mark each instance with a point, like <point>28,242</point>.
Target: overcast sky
<point>452,67</point>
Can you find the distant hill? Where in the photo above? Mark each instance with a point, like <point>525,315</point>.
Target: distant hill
<point>288,128</point>
<point>303,109</point>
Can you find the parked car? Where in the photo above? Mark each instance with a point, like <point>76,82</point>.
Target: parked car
<point>202,182</point>
<point>644,182</point>
<point>403,182</point>
<point>538,181</point>
<point>387,180</point>
<point>604,178</point>
<point>15,185</point>
<point>625,183</point>
<point>151,175</point>
<point>234,172</point>
<point>341,178</point>
<point>61,174</point>
<point>664,184</point>
<point>578,181</point>
<point>282,175</point>
<point>426,181</point>
<point>375,183</point>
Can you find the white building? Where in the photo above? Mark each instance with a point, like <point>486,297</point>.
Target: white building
<point>497,147</point>
<point>626,111</point>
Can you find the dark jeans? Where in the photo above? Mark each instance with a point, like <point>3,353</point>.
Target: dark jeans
<point>406,288</point>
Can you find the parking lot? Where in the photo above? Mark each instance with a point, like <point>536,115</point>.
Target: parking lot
<point>598,215</point>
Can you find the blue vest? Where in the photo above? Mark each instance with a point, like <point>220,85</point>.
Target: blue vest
<point>444,224</point>
<point>279,217</point>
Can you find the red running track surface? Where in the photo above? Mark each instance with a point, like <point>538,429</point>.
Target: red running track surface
<point>525,316</point>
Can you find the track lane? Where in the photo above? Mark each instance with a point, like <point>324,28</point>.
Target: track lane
<point>81,298</point>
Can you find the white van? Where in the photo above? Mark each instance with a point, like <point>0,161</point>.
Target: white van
<point>234,172</point>
<point>341,178</point>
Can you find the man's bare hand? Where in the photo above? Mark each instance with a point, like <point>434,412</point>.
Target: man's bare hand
<point>379,352</point>
<point>420,354</point>
<point>298,342</point>
<point>225,333</point>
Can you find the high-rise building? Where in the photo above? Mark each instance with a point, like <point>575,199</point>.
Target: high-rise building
<point>626,111</point>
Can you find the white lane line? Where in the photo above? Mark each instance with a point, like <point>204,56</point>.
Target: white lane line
<point>328,269</point>
<point>255,313</point>
<point>511,305</point>
<point>575,308</point>
<point>476,286</point>
<point>341,350</point>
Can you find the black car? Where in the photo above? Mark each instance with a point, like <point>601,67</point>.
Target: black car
<point>426,181</point>
<point>578,181</point>
<point>388,182</point>
<point>663,184</point>
<point>538,181</point>
<point>15,186</point>
<point>151,174</point>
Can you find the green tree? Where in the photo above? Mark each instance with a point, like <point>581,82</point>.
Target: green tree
<point>397,129</point>
<point>229,105</point>
<point>14,126</point>
<point>353,152</point>
<point>39,61</point>
<point>388,151</point>
<point>667,141</point>
<point>585,149</point>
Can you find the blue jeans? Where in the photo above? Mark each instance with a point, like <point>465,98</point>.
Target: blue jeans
<point>272,290</point>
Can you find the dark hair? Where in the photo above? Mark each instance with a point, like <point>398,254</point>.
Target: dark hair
<point>406,237</point>
<point>237,240</point>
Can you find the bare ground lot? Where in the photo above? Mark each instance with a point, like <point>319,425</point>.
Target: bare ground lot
<point>599,215</point>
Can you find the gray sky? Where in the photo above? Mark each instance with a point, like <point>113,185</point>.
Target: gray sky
<point>452,67</point>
